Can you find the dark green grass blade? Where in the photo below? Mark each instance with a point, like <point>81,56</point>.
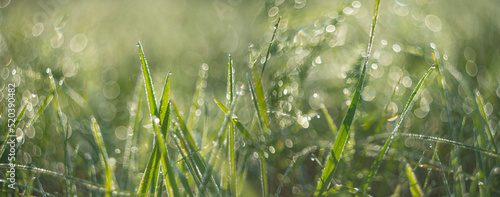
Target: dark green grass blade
<point>415,188</point>
<point>192,149</point>
<point>443,175</point>
<point>385,148</point>
<point>104,156</point>
<point>299,159</point>
<point>263,175</point>
<point>343,134</point>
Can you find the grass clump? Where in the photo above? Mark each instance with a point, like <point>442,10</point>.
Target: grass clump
<point>412,120</point>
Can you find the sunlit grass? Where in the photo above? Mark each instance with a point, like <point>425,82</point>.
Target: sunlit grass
<point>274,98</point>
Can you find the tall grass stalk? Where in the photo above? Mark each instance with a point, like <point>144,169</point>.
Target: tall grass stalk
<point>342,137</point>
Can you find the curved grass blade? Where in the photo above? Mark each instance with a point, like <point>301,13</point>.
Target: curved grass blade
<point>385,148</point>
<point>415,188</point>
<point>104,156</point>
<point>342,137</point>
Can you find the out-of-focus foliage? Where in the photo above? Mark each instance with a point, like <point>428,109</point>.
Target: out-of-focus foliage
<point>314,64</point>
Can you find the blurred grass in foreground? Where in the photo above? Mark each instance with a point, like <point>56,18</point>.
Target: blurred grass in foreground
<point>88,126</point>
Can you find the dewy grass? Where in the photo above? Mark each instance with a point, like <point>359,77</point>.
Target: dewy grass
<point>342,137</point>
<point>270,142</point>
<point>104,156</point>
<point>163,123</point>
<point>385,148</point>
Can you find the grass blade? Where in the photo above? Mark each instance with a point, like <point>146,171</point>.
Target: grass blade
<point>385,148</point>
<point>479,101</point>
<point>135,116</point>
<point>342,137</point>
<point>415,188</point>
<point>263,175</point>
<point>231,148</point>
<point>64,131</point>
<point>329,120</point>
<point>199,93</point>
<point>157,124</point>
<point>269,48</point>
<point>261,106</point>
<point>104,156</point>
<point>443,176</point>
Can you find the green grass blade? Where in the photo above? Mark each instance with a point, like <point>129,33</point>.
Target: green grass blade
<point>104,156</point>
<point>329,120</point>
<point>199,93</point>
<point>167,167</point>
<point>261,106</point>
<point>64,131</point>
<point>270,45</point>
<point>150,93</point>
<point>164,101</point>
<point>231,148</point>
<point>135,117</point>
<point>383,116</point>
<point>343,134</point>
<point>19,117</point>
<point>415,188</point>
<point>479,101</point>
<point>148,178</point>
<point>263,175</point>
<point>385,148</point>
<point>443,175</point>
<point>184,182</point>
<point>160,137</point>
<point>192,149</point>
<point>235,120</point>
<point>450,142</point>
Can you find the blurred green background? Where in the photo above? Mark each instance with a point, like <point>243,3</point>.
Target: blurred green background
<point>90,47</point>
